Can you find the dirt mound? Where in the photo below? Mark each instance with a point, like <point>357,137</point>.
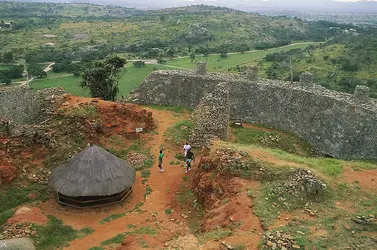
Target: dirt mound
<point>78,121</point>
<point>7,173</point>
<point>227,202</point>
<point>25,215</point>
<point>115,118</point>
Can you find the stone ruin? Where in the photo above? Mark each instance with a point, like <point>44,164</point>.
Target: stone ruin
<point>251,73</point>
<point>201,68</point>
<point>336,124</point>
<point>26,106</point>
<point>211,117</point>
<point>306,79</point>
<point>361,94</point>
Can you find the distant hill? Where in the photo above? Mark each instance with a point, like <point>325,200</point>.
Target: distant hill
<point>209,28</point>
<point>251,6</point>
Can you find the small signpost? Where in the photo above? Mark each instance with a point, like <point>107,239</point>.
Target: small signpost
<point>138,131</point>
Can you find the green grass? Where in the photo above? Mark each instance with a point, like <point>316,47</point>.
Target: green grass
<point>54,235</point>
<point>4,216</point>
<point>179,132</point>
<point>148,191</point>
<point>168,211</point>
<point>115,240</point>
<point>272,139</point>
<point>215,63</point>
<point>96,248</point>
<point>112,217</point>
<point>130,78</point>
<point>5,67</point>
<point>328,166</point>
<point>120,237</point>
<point>87,111</point>
<point>69,83</point>
<point>86,231</point>
<point>240,246</point>
<point>15,195</point>
<point>216,235</point>
<point>145,173</point>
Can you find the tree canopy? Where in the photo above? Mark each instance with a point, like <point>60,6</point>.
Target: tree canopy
<point>102,77</point>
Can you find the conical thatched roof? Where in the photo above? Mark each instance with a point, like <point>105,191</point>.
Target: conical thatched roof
<point>93,172</point>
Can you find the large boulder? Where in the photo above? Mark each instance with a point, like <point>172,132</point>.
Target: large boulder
<point>17,244</point>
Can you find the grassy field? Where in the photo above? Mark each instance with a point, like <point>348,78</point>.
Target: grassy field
<point>131,77</point>
<point>4,67</point>
<point>216,63</point>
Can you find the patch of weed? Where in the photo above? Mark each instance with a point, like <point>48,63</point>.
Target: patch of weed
<point>328,166</point>
<point>179,132</point>
<point>86,231</point>
<point>115,240</point>
<point>112,217</point>
<point>216,234</point>
<point>144,181</point>
<point>240,246</point>
<point>96,248</point>
<point>148,191</point>
<point>4,216</point>
<point>120,237</point>
<point>142,242</point>
<point>180,156</point>
<point>87,111</point>
<point>131,226</point>
<point>54,235</point>
<point>145,173</point>
<point>17,195</point>
<point>168,211</point>
<point>272,139</point>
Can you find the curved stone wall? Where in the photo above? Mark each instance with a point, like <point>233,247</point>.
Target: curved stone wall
<point>334,123</point>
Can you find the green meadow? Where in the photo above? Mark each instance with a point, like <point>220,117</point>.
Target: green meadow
<point>217,64</point>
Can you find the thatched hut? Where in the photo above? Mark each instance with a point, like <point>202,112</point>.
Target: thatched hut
<point>94,177</point>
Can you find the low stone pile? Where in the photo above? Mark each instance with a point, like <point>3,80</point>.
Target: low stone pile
<point>40,177</point>
<point>136,159</point>
<point>226,246</point>
<point>365,220</point>
<point>279,240</point>
<point>35,134</point>
<point>17,231</point>
<point>301,181</point>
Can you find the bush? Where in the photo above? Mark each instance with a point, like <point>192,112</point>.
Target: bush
<point>139,64</point>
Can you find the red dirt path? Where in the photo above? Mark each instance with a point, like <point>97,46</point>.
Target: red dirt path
<point>155,203</point>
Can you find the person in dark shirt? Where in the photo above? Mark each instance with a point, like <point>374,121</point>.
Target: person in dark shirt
<point>189,158</point>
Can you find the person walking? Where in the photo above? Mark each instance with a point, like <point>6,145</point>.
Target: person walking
<point>160,157</point>
<point>186,148</point>
<point>189,158</point>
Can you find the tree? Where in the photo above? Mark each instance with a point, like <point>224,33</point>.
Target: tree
<point>161,60</point>
<point>36,71</point>
<point>102,77</point>
<point>6,81</point>
<point>139,64</point>
<point>8,57</point>
<point>192,57</point>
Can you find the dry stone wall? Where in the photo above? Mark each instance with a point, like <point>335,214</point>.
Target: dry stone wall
<point>26,106</point>
<point>336,124</point>
<point>211,117</point>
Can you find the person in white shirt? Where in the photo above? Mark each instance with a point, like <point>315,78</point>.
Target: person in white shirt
<point>186,148</point>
